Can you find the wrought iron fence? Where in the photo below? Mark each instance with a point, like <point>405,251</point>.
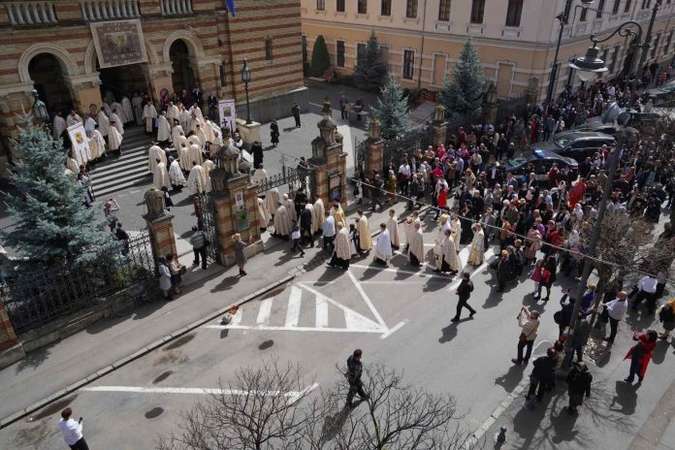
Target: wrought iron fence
<point>33,298</point>
<point>204,211</point>
<point>291,177</point>
<point>395,149</point>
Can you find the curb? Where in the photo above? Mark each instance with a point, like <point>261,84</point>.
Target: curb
<point>6,421</point>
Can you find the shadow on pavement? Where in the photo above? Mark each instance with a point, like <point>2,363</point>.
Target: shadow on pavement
<point>512,378</point>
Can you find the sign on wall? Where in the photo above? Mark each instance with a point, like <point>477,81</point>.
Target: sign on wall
<point>80,143</point>
<point>227,114</point>
<point>119,43</point>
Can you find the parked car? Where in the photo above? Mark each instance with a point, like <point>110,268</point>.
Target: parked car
<point>663,95</point>
<point>599,127</point>
<point>576,144</point>
<point>539,162</point>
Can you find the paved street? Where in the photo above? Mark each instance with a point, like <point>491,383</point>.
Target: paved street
<point>397,315</point>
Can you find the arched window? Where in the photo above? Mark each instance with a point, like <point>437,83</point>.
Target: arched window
<point>268,48</point>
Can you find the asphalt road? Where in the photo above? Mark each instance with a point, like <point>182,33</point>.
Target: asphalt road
<point>397,316</point>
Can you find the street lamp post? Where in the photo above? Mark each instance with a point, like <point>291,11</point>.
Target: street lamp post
<point>245,78</point>
<point>587,67</point>
<point>648,36</point>
<point>563,18</point>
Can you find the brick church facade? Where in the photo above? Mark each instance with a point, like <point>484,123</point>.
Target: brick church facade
<point>49,45</point>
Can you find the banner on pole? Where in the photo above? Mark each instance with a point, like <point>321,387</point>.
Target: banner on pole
<point>228,115</point>
<point>80,143</point>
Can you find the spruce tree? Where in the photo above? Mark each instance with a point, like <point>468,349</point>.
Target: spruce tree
<point>52,225</point>
<point>391,109</point>
<point>320,57</point>
<point>371,68</point>
<point>461,96</point>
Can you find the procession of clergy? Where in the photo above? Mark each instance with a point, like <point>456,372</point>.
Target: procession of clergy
<point>345,241</point>
<point>105,131</point>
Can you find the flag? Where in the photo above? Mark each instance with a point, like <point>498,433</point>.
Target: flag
<point>230,7</point>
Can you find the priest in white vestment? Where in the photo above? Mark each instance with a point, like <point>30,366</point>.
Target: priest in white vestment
<point>176,176</point>
<point>196,180</point>
<point>149,115</point>
<point>392,227</point>
<point>163,130</point>
<point>160,176</point>
<point>114,138</point>
<point>416,244</point>
<point>383,251</point>
<point>154,154</point>
<point>195,154</point>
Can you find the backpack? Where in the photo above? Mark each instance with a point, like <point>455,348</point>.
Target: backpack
<point>666,314</point>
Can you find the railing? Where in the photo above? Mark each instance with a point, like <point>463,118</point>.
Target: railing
<point>33,298</point>
<point>95,10</point>
<point>291,177</point>
<point>31,13</point>
<point>175,7</point>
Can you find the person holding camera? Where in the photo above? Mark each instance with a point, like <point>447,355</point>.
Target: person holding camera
<point>529,324</point>
<point>72,431</point>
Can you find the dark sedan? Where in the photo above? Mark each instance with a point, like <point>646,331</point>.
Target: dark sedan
<point>540,162</point>
<point>576,144</point>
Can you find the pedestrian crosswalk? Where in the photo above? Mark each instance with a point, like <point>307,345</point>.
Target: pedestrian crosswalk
<point>339,306</point>
<point>302,307</point>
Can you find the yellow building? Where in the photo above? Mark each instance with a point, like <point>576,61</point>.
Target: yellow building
<point>515,39</point>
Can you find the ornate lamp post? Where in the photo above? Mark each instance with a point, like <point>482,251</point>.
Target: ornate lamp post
<point>563,19</point>
<point>245,78</point>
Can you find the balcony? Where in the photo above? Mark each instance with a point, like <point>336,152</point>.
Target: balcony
<point>96,10</point>
<point>31,13</point>
<point>176,7</point>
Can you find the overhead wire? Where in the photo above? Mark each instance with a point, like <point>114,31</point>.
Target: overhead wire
<point>358,181</point>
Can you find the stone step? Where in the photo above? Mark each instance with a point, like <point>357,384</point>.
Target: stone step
<point>104,191</point>
<point>120,175</point>
<point>125,159</point>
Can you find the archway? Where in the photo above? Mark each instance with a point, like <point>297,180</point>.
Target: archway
<point>49,79</point>
<point>121,81</point>
<point>183,75</point>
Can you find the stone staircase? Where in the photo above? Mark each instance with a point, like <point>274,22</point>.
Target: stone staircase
<point>115,174</point>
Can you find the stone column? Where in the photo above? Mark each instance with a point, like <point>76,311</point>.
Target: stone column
<point>160,224</point>
<point>439,126</point>
<point>85,91</point>
<point>235,204</point>
<point>375,148</point>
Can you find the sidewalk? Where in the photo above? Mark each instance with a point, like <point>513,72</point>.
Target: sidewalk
<point>54,371</point>
<point>616,416</point>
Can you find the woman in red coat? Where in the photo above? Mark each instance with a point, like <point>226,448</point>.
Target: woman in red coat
<point>640,354</point>
<point>577,192</point>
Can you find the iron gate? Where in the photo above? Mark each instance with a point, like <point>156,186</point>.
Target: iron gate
<point>33,298</point>
<point>205,213</point>
<point>295,179</point>
<point>395,149</point>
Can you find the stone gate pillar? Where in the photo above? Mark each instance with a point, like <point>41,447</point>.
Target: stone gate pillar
<point>160,224</point>
<point>235,204</point>
<point>375,149</point>
<point>439,126</point>
<point>329,161</point>
<point>11,350</point>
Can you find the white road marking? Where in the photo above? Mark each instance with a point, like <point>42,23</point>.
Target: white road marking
<point>367,300</point>
<point>321,312</point>
<point>293,308</point>
<point>306,329</point>
<point>419,273</point>
<point>236,320</point>
<point>294,395</point>
<point>369,323</point>
<point>394,329</point>
<point>264,311</point>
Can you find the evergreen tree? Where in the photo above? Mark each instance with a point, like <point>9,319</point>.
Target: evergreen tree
<point>392,109</point>
<point>52,225</point>
<point>461,95</point>
<point>371,68</point>
<point>320,57</point>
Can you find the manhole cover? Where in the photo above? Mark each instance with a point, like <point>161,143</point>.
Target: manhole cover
<point>53,408</point>
<point>163,376</point>
<point>154,412</point>
<point>265,345</point>
<point>181,341</point>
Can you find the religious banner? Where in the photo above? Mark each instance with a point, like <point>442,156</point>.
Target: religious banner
<point>227,114</point>
<point>80,143</point>
<point>119,43</point>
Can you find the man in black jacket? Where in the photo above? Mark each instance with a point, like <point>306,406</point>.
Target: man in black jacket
<point>306,224</point>
<point>578,383</point>
<point>464,292</point>
<point>542,378</point>
<point>354,370</point>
